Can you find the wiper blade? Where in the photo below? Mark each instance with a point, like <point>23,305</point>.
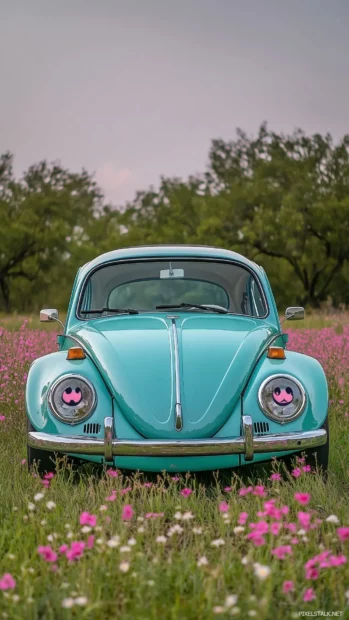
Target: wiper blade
<point>116,310</point>
<point>198,306</point>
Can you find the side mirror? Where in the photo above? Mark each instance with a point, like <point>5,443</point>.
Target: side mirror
<point>294,313</point>
<point>48,314</point>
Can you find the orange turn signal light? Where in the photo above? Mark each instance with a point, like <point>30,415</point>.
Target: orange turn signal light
<point>276,353</point>
<point>76,353</point>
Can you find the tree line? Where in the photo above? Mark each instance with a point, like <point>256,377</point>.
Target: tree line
<point>281,200</point>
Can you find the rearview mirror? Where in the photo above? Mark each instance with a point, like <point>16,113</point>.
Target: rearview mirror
<point>295,313</point>
<point>48,314</point>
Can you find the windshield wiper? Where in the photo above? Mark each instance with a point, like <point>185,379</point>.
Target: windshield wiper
<point>198,306</point>
<point>116,310</point>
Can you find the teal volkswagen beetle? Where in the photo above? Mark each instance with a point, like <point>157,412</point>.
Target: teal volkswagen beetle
<point>172,358</point>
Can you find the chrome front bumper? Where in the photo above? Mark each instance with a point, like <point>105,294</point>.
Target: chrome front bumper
<point>247,444</point>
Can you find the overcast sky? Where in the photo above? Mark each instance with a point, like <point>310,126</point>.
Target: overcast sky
<point>135,89</point>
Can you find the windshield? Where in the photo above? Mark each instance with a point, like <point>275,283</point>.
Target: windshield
<point>146,285</point>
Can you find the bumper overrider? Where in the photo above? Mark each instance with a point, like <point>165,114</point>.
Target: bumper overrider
<point>108,447</point>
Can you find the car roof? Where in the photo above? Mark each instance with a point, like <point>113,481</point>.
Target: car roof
<point>162,251</point>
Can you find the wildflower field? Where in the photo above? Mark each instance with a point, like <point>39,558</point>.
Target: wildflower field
<point>97,543</point>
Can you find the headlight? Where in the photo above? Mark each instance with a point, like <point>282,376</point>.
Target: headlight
<point>72,399</point>
<point>282,398</point>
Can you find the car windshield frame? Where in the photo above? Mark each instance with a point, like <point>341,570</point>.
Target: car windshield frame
<point>167,259</point>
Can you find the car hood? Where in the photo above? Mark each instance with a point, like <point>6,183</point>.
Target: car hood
<point>136,357</point>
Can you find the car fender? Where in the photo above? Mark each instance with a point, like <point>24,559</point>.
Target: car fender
<point>310,374</point>
<point>43,373</point>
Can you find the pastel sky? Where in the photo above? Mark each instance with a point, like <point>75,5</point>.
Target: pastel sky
<point>135,89</point>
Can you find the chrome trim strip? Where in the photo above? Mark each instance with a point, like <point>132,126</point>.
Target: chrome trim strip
<point>178,407</point>
<point>195,447</point>
<point>247,426</point>
<point>108,439</point>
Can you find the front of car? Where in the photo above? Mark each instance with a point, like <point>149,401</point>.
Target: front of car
<point>173,359</point>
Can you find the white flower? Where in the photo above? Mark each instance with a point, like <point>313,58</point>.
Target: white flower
<point>50,538</point>
<point>347,594</point>
<point>203,561</point>
<point>15,598</point>
<point>197,530</point>
<point>218,542</point>
<point>231,600</point>
<point>70,535</point>
<point>112,543</point>
<point>50,505</point>
<point>252,612</point>
<point>98,528</point>
<point>131,542</point>
<point>68,602</point>
<point>43,522</point>
<point>162,540</point>
<point>11,556</point>
<point>262,572</point>
<point>125,549</point>
<point>141,529</point>
<point>81,600</point>
<point>140,518</point>
<point>38,497</point>
<point>175,529</point>
<point>103,507</point>
<point>177,515</point>
<point>150,582</point>
<point>235,611</point>
<point>67,526</point>
<point>31,506</point>
<point>301,532</point>
<point>187,516</point>
<point>218,609</point>
<point>100,541</point>
<point>124,567</point>
<point>86,529</point>
<point>332,519</point>
<point>238,529</point>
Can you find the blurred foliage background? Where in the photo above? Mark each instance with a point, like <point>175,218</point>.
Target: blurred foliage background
<point>281,200</point>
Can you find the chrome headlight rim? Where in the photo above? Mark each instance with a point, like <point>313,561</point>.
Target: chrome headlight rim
<point>273,416</point>
<point>53,408</point>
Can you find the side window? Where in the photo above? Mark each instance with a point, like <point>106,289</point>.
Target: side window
<point>255,299</point>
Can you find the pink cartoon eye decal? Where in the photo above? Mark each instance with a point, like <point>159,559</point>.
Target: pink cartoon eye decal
<point>72,396</point>
<point>283,395</point>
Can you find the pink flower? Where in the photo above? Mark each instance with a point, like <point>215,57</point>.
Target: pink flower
<point>302,498</point>
<point>296,472</point>
<point>90,542</point>
<point>257,539</point>
<point>154,515</point>
<point>2,419</point>
<point>306,468</point>
<point>186,492</point>
<point>338,560</point>
<point>87,519</point>
<point>223,507</point>
<point>304,519</point>
<point>343,533</point>
<point>245,491</point>
<point>243,518</point>
<point>49,476</point>
<point>7,582</point>
<point>76,550</point>
<point>111,498</point>
<point>147,485</point>
<point>311,572</point>
<point>47,553</point>
<point>282,551</point>
<point>63,548</point>
<point>124,491</point>
<point>127,512</point>
<point>23,461</point>
<point>287,586</point>
<point>112,473</point>
<point>275,528</point>
<point>227,489</point>
<point>309,595</point>
<point>175,478</point>
<point>259,490</point>
<point>276,477</point>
